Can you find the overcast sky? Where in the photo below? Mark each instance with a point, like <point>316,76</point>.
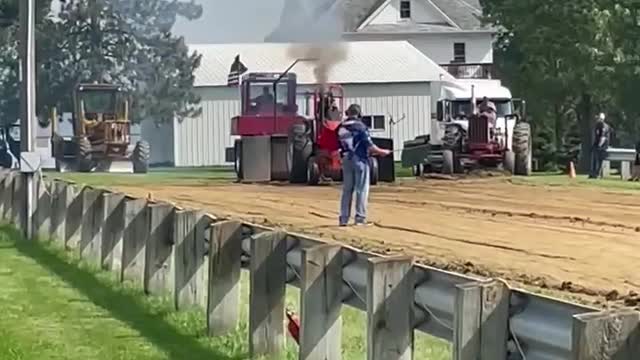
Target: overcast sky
<point>226,21</point>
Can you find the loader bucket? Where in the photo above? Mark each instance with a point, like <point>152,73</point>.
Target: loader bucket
<point>115,166</point>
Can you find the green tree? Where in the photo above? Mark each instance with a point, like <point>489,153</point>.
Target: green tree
<point>565,58</point>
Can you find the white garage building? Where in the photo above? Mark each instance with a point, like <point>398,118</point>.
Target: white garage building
<point>390,80</point>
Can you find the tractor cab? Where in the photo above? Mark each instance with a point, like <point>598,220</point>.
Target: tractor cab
<point>101,114</point>
<point>268,106</point>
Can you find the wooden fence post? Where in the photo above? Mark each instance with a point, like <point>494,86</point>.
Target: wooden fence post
<point>268,272</point>
<point>90,245</point>
<point>42,215</point>
<point>390,318</point>
<point>159,269</point>
<point>321,303</point>
<point>225,253</point>
<point>607,335</point>
<point>113,231</point>
<point>189,234</point>
<point>73,219</point>
<point>136,232</point>
<point>481,320</point>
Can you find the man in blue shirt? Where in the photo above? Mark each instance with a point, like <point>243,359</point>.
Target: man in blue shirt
<point>355,147</point>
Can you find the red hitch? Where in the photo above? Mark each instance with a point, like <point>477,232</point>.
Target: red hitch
<point>293,326</point>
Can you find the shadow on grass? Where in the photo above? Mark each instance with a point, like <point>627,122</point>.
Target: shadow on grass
<point>122,306</point>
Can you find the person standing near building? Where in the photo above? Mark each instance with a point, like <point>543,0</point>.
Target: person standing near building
<point>600,145</point>
<point>635,173</point>
<point>355,147</point>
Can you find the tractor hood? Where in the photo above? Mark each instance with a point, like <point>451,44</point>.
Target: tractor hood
<point>461,90</point>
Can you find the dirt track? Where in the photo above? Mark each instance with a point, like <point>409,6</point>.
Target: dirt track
<point>571,239</point>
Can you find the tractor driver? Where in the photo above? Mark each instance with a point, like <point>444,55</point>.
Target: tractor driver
<point>265,99</point>
<point>488,109</point>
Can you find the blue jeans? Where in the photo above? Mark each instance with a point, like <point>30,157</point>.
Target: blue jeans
<point>355,178</point>
<point>597,158</point>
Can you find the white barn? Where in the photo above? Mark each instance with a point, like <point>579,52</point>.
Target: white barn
<point>389,79</point>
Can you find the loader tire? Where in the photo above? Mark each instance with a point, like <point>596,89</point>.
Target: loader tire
<point>84,160</point>
<point>141,155</point>
<point>299,149</point>
<point>522,147</point>
<point>313,171</point>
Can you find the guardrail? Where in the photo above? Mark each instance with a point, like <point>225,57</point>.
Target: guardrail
<point>625,157</point>
<point>197,258</point>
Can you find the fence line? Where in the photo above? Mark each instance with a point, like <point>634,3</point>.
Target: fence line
<point>197,259</point>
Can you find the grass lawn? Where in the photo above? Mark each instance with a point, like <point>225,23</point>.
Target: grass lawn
<point>57,307</point>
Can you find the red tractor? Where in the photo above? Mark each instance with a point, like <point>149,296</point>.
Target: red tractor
<point>276,143</point>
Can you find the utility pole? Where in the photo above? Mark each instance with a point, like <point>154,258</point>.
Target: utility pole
<point>27,102</point>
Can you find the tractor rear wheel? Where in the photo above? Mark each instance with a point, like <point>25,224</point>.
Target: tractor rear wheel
<point>299,149</point>
<point>374,171</point>
<point>448,162</point>
<point>237,164</point>
<point>313,171</point>
<point>85,163</point>
<point>141,155</point>
<point>508,162</point>
<point>522,147</point>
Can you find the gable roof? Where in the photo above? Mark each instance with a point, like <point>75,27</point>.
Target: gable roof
<point>464,14</point>
<point>365,62</point>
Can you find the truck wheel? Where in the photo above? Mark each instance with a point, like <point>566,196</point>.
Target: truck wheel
<point>522,147</point>
<point>508,162</point>
<point>448,162</point>
<point>141,155</point>
<point>85,163</point>
<point>374,172</point>
<point>313,171</point>
<point>299,149</point>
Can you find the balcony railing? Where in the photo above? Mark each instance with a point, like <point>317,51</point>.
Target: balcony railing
<point>470,71</point>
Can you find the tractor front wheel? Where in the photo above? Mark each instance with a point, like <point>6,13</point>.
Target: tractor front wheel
<point>85,163</point>
<point>141,155</point>
<point>508,162</point>
<point>522,147</point>
<point>299,149</point>
<point>448,162</point>
<point>313,171</point>
<point>373,171</point>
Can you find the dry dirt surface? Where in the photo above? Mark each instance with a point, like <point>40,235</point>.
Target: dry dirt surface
<point>583,241</point>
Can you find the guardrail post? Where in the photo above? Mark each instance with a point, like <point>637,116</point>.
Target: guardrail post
<point>113,230</point>
<point>608,335</point>
<point>7,200</point>
<point>136,232</point>
<point>59,203</point>
<point>73,219</point>
<point>481,320</point>
<point>159,269</point>
<point>268,272</point>
<point>390,318</point>
<point>18,211</point>
<point>225,252</point>
<point>606,169</point>
<point>189,234</point>
<point>3,193</point>
<point>321,303</point>
<point>42,214</point>
<point>91,229</point>
<point>625,170</point>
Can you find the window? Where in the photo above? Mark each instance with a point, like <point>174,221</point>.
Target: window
<point>405,9</point>
<point>459,53</point>
<point>374,122</point>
